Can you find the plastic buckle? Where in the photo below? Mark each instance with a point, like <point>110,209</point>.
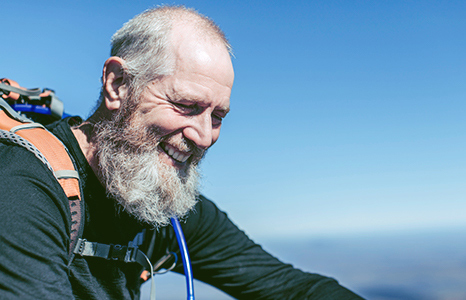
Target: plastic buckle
<point>117,252</point>
<point>79,249</point>
<point>131,254</point>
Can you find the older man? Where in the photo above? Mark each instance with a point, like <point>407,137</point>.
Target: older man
<point>165,91</point>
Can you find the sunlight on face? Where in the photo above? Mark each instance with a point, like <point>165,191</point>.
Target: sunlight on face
<point>149,159</point>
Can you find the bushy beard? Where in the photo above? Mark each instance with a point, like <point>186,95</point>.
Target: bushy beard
<point>134,175</point>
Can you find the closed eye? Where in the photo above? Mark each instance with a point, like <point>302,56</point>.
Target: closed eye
<point>190,109</point>
<point>191,106</point>
<point>217,120</point>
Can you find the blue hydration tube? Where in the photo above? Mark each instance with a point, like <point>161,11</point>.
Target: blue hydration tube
<point>185,257</point>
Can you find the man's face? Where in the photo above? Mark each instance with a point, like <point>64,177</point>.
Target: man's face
<point>186,109</point>
<point>149,158</point>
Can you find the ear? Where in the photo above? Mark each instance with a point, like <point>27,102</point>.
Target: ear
<point>114,82</point>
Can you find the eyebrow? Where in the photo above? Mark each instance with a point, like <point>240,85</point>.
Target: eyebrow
<point>224,111</point>
<point>178,97</point>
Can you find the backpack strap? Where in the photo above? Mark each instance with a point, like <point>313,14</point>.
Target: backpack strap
<point>50,150</point>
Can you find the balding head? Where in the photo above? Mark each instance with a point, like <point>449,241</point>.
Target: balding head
<point>144,42</point>
<point>165,92</point>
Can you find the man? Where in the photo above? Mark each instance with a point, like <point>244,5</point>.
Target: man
<point>165,91</point>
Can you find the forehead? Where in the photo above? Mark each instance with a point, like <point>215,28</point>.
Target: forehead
<point>194,51</point>
<point>203,69</point>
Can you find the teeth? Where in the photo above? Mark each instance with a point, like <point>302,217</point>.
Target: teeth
<point>176,154</point>
<point>183,158</point>
<point>171,151</point>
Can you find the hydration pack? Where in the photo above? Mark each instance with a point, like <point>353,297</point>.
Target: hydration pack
<point>22,131</point>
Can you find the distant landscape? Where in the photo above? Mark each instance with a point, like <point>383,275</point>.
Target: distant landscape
<point>428,265</point>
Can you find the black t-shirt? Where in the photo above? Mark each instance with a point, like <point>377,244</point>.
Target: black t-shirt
<point>35,232</point>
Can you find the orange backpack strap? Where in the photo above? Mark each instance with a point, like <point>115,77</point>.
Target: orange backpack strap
<point>50,150</point>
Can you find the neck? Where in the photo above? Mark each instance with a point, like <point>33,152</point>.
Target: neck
<point>83,134</point>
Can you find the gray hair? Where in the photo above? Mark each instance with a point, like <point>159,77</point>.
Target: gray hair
<point>143,42</point>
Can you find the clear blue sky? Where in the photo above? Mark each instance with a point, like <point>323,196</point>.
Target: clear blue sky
<point>347,116</point>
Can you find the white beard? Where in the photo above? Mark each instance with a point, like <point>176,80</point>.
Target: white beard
<point>140,182</point>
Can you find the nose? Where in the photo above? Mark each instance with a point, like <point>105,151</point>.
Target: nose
<point>200,131</point>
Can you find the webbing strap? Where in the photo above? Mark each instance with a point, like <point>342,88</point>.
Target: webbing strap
<point>26,126</point>
<point>62,174</point>
<point>111,252</point>
<point>13,86</point>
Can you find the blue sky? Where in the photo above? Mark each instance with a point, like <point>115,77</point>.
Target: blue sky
<point>347,116</point>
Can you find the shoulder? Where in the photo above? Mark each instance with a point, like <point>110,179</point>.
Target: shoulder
<point>35,222</point>
<point>207,223</point>
<point>18,162</point>
<point>26,183</point>
<point>204,211</point>
<point>30,195</point>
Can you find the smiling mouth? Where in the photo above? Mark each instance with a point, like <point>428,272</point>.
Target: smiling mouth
<point>174,153</point>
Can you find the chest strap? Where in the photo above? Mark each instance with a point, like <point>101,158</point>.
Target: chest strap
<point>130,253</point>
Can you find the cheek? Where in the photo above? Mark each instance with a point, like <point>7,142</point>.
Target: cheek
<point>166,122</point>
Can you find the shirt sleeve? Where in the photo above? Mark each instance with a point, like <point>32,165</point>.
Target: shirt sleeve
<point>33,229</point>
<point>223,256</point>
